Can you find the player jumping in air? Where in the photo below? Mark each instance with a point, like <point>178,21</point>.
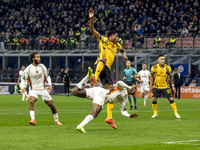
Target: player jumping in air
<point>161,86</point>
<point>36,73</point>
<point>101,96</point>
<point>108,47</point>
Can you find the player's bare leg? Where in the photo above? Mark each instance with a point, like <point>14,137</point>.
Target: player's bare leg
<point>154,106</point>
<point>32,101</point>
<point>173,105</point>
<point>54,111</point>
<point>95,111</point>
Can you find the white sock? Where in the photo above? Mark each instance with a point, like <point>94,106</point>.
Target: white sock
<point>32,114</point>
<point>83,81</point>
<point>87,119</point>
<point>145,98</point>
<point>55,116</point>
<point>23,96</point>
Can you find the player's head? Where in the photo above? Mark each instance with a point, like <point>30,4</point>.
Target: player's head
<point>128,63</point>
<point>34,58</point>
<point>23,67</point>
<point>113,36</point>
<point>144,66</point>
<point>66,70</point>
<point>161,59</point>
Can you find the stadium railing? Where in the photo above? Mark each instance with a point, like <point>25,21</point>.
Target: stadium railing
<point>129,41</point>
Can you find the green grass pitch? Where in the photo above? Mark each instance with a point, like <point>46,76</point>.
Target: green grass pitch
<point>138,133</point>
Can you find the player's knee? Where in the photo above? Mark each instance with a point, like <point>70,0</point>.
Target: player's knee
<point>94,114</point>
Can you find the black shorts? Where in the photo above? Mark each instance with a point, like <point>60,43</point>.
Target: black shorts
<point>130,83</point>
<point>167,93</point>
<point>105,75</point>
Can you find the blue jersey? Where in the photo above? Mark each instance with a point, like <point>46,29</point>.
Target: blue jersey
<point>128,73</point>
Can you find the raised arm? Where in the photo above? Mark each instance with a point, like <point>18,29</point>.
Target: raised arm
<point>123,52</point>
<point>92,30</point>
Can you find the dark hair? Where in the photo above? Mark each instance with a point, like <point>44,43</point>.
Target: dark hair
<point>143,63</point>
<point>160,56</point>
<point>31,56</point>
<point>111,33</point>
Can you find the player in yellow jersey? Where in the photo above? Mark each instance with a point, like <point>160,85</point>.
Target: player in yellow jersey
<point>108,47</point>
<point>161,86</point>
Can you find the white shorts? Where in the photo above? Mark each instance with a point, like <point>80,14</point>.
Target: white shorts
<point>98,94</point>
<point>144,88</point>
<point>45,96</point>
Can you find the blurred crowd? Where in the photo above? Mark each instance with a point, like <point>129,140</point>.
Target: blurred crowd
<point>64,23</point>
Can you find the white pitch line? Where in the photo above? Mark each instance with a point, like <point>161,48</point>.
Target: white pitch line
<point>187,142</point>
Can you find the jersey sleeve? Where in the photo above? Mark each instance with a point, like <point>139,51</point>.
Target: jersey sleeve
<point>134,71</point>
<point>153,70</point>
<point>119,47</point>
<point>168,69</point>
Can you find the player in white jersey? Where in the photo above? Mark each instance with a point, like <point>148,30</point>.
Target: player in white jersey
<point>36,74</point>
<point>21,74</point>
<point>102,96</point>
<point>144,82</point>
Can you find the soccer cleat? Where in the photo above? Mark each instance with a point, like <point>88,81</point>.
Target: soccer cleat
<point>145,104</point>
<point>154,116</point>
<point>131,107</point>
<point>111,122</point>
<point>80,129</point>
<point>178,116</point>
<point>135,107</point>
<point>32,122</point>
<point>58,123</point>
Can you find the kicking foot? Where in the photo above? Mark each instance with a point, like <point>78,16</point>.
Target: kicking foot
<point>80,129</point>
<point>111,122</point>
<point>32,122</point>
<point>58,123</point>
<point>178,116</point>
<point>145,104</point>
<point>154,116</point>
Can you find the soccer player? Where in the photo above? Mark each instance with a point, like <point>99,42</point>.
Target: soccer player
<point>66,81</point>
<point>160,72</point>
<point>36,73</point>
<point>108,47</point>
<point>21,74</point>
<point>101,96</point>
<point>144,75</point>
<point>130,75</point>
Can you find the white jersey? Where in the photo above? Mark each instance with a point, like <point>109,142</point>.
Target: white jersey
<point>36,76</point>
<point>117,95</point>
<point>145,75</point>
<point>21,74</point>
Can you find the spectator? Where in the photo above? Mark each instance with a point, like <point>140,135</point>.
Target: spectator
<point>171,42</point>
<point>32,43</point>
<point>156,42</point>
<point>7,43</point>
<point>53,43</point>
<point>197,78</point>
<point>63,43</point>
<point>184,32</point>
<point>73,42</point>
<point>15,43</point>
<point>2,38</point>
<point>193,83</point>
<point>23,43</point>
<point>140,41</point>
<point>188,80</point>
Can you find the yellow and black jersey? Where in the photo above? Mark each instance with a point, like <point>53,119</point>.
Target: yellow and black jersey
<point>161,76</point>
<point>108,50</point>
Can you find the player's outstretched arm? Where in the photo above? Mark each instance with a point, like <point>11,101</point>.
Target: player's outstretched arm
<point>92,30</point>
<point>123,52</point>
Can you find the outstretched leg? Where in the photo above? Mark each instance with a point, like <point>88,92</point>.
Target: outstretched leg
<point>96,108</point>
